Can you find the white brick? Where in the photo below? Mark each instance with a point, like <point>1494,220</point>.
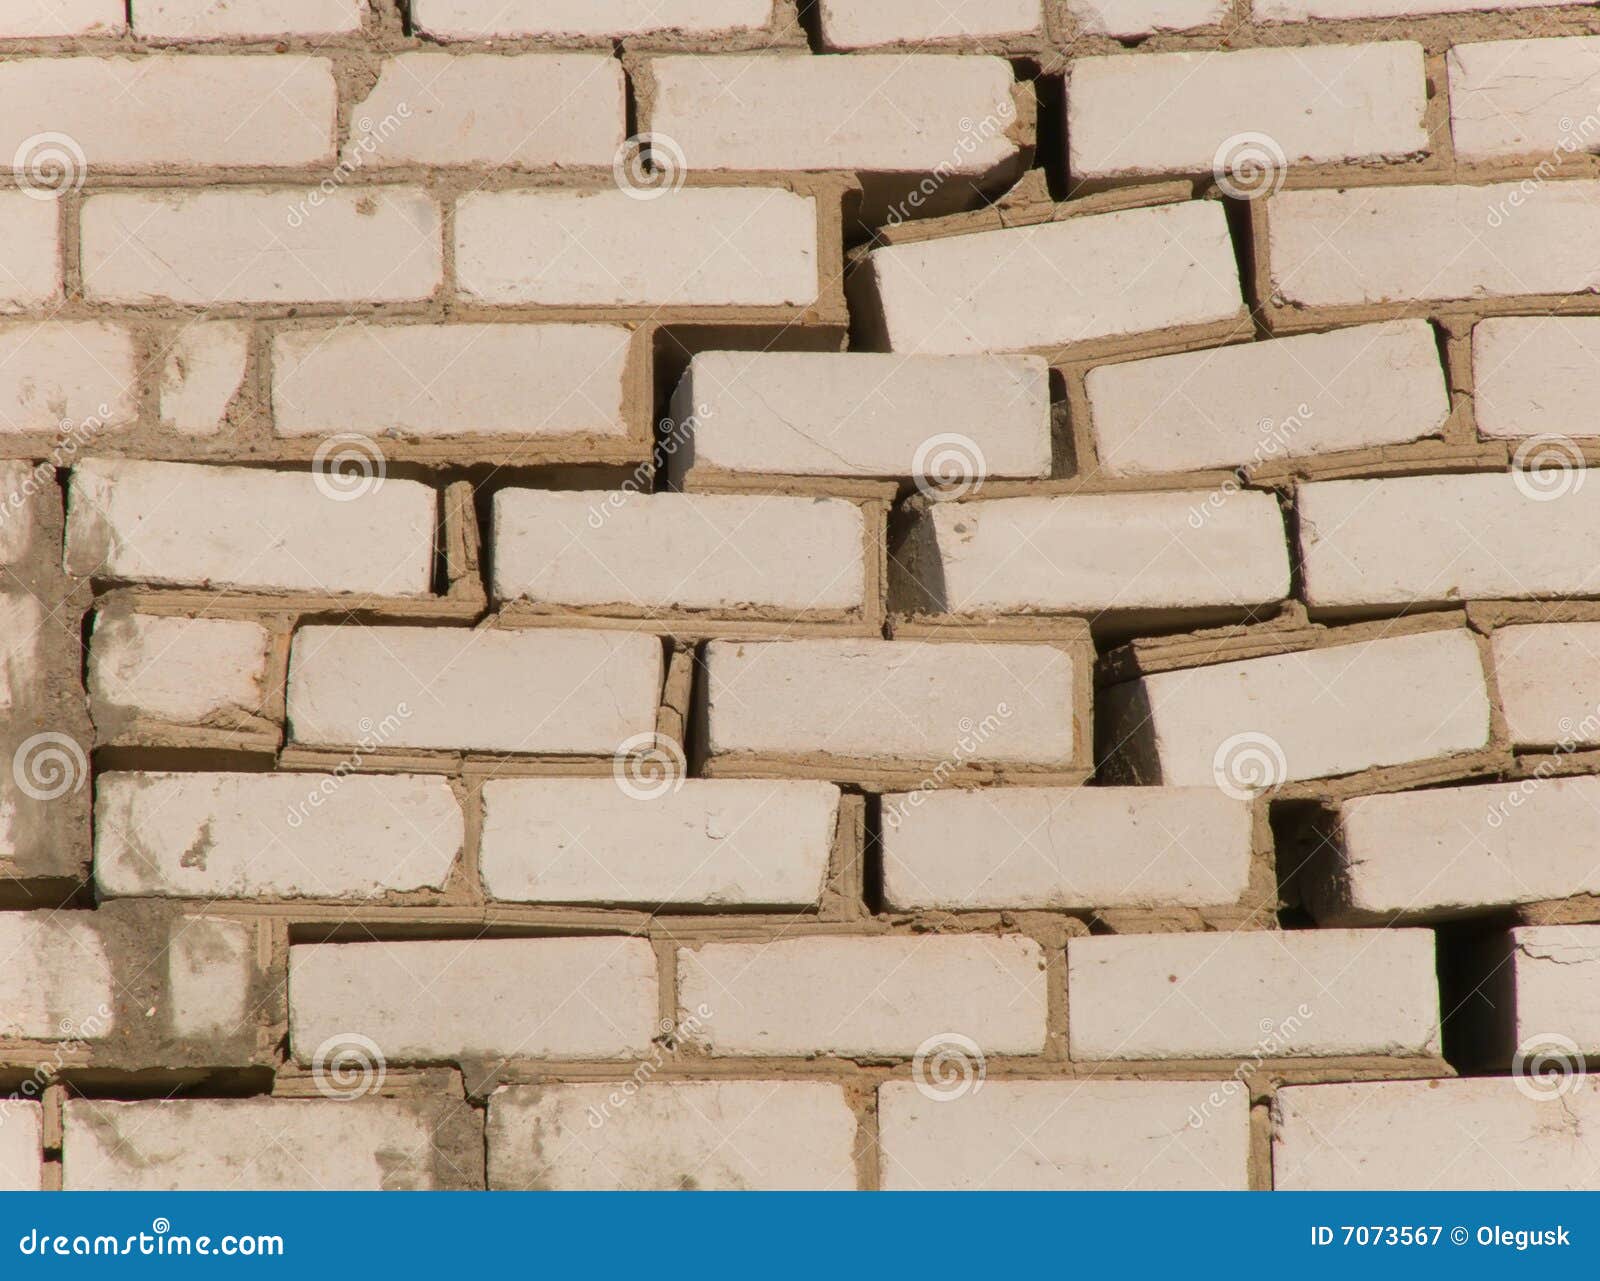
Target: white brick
<point>1519,97</point>
<point>273,835</point>
<point>68,377</point>
<point>1174,112</point>
<point>1267,993</point>
<point>210,963</point>
<point>700,246</point>
<point>892,701</point>
<point>57,979</point>
<point>20,483</point>
<point>222,19</point>
<point>1063,1136</point>
<point>1101,553</point>
<point>724,842</point>
<point>1310,714</point>
<point>1102,276</point>
<point>861,413</point>
<point>23,665</point>
<point>861,24</point>
<point>544,998</point>
<point>173,109</point>
<point>679,551</point>
<point>1536,375</point>
<point>888,113</point>
<point>1305,10</point>
<point>540,690</point>
<point>479,19</point>
<point>202,374</point>
<point>247,1145</point>
<point>1262,402</point>
<point>21,1146</point>
<point>32,18</point>
<point>30,254</point>
<point>1142,17</point>
<point>1553,997</point>
<point>185,671</point>
<point>1363,245</point>
<point>1477,1135</point>
<point>179,524</point>
<point>1449,538</point>
<point>524,111</point>
<point>1052,849</point>
<point>280,245</point>
<point>1454,850</point>
<point>1548,676</point>
<point>452,380</point>
<point>769,1136</point>
<point>865,996</point>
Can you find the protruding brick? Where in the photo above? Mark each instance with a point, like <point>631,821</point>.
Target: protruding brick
<point>891,701</point>
<point>704,1136</point>
<point>863,24</point>
<point>1172,554</point>
<point>202,374</point>
<point>422,1002</point>
<point>591,548</point>
<point>281,245</point>
<point>1179,112</point>
<point>273,835</point>
<point>21,1146</point>
<point>862,414</point>
<point>1477,1135</point>
<point>484,19</point>
<point>1552,999</point>
<point>30,253</point>
<point>24,19</point>
<point>1052,848</point>
<point>698,247</point>
<point>1366,245</point>
<point>1536,375</point>
<point>1143,17</point>
<point>1266,993</point>
<point>722,842</point>
<point>184,671</point>
<point>57,977</point>
<point>1063,1136</point>
<point>1262,402</point>
<point>1521,97</point>
<point>1109,275</point>
<point>453,688</point>
<point>72,378</point>
<point>178,524</point>
<point>1548,677</point>
<point>865,996</point>
<point>1443,539</point>
<point>225,19</point>
<point>1251,724</point>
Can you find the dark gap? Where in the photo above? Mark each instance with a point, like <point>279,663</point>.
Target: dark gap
<point>810,15</point>
<point>1301,832</point>
<point>1476,999</point>
<point>872,892</point>
<point>1050,149</point>
<point>1064,461</point>
<point>402,7</point>
<point>630,97</point>
<point>1291,530</point>
<point>184,760</point>
<point>1242,233</point>
<point>439,575</point>
<point>46,893</point>
<point>85,628</point>
<point>165,1083</point>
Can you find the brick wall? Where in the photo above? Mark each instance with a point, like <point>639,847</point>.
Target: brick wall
<point>732,594</point>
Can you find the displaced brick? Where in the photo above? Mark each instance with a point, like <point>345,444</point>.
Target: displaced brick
<point>590,548</point>
<point>1251,724</point>
<point>1443,539</point>
<point>1181,112</point>
<point>1109,275</point>
<point>210,963</point>
<point>25,19</point>
<point>1258,403</point>
<point>203,372</point>
<point>179,524</point>
<point>1260,993</point>
<point>1536,375</point>
<point>1519,97</point>
<point>426,1002</point>
<point>1552,1002</point>
<point>30,254</point>
<point>1143,17</point>
<point>184,671</point>
<point>223,19</point>
<point>21,1146</point>
<point>721,842</point>
<point>483,19</point>
<point>281,245</point>
<point>541,690</point>
<point>701,246</point>
<point>1056,849</point>
<point>892,701</point>
<point>864,996</point>
<point>1548,678</point>
<point>1063,1136</point>
<point>273,835</point>
<point>687,1135</point>
<point>57,978</point>
<point>862,24</point>
<point>1476,1135</point>
<point>68,377</point>
<point>1170,554</point>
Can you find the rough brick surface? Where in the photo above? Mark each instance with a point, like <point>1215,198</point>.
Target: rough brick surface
<point>186,671</point>
<point>226,19</point>
<point>861,24</point>
<point>61,376</point>
<point>1142,17</point>
<point>481,19</point>
<point>1535,375</point>
<point>1552,999</point>
<point>35,18</point>
<point>1549,681</point>
<point>60,974</point>
<point>1520,97</point>
<point>30,253</point>
<point>21,1144</point>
